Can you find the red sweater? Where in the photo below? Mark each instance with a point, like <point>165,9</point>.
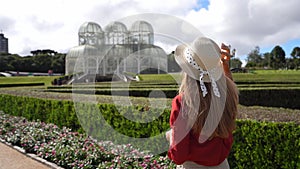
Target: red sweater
<point>185,146</point>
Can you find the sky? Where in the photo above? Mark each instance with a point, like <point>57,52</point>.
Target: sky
<point>53,24</point>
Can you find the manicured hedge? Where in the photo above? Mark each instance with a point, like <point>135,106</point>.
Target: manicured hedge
<point>21,84</point>
<point>286,98</point>
<point>257,144</point>
<point>169,92</point>
<point>59,112</point>
<point>62,113</point>
<point>265,145</point>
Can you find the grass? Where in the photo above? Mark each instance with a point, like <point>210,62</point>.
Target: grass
<point>27,79</point>
<point>256,76</point>
<point>279,76</point>
<point>160,78</point>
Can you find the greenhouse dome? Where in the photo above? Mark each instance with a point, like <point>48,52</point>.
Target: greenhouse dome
<point>141,32</point>
<point>116,33</point>
<point>90,33</point>
<point>141,26</point>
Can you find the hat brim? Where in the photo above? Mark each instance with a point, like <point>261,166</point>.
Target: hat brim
<point>215,72</point>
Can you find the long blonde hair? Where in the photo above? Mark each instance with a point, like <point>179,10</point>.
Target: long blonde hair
<point>197,107</point>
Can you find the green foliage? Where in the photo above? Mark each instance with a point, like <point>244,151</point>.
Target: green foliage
<point>277,57</point>
<point>254,58</point>
<point>274,59</point>
<point>160,78</point>
<point>276,76</point>
<point>282,96</point>
<point>287,98</point>
<point>265,145</point>
<point>71,149</point>
<point>52,111</point>
<point>257,144</point>
<point>294,62</point>
<point>21,84</point>
<point>296,52</point>
<point>235,63</point>
<point>27,79</point>
<point>41,62</point>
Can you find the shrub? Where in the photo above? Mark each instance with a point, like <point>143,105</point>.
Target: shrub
<point>259,96</point>
<point>21,84</point>
<point>265,145</point>
<point>257,144</point>
<point>287,98</point>
<point>72,150</point>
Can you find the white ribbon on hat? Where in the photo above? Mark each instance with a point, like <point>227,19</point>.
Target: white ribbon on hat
<point>189,58</point>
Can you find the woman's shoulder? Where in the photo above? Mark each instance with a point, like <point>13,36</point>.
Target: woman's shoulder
<point>178,97</point>
<point>176,107</point>
<point>177,100</point>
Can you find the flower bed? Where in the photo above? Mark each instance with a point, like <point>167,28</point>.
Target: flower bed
<point>73,150</point>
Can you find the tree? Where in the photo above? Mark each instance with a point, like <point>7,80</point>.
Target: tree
<point>254,58</point>
<point>296,52</point>
<point>267,58</point>
<point>58,63</point>
<point>236,63</point>
<point>172,64</point>
<point>43,52</point>
<point>6,62</point>
<point>41,62</point>
<point>295,61</point>
<point>278,57</point>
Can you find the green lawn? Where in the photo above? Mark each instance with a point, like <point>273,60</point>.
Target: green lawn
<point>280,76</point>
<point>27,79</point>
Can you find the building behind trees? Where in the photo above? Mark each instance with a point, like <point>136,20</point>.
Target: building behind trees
<point>3,43</point>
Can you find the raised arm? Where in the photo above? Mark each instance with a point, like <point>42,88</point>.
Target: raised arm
<point>225,57</point>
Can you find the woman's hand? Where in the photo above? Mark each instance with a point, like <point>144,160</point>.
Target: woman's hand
<point>169,136</point>
<point>225,57</point>
<point>225,53</point>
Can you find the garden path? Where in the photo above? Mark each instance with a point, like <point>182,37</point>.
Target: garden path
<point>11,158</point>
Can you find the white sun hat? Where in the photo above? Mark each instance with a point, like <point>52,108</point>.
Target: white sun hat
<point>201,60</point>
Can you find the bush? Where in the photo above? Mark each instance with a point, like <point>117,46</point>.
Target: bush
<point>257,144</point>
<point>21,84</point>
<point>265,145</point>
<point>287,98</point>
<point>72,150</point>
<point>59,112</point>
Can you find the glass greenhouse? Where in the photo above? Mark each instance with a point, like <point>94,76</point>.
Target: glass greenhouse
<point>115,49</point>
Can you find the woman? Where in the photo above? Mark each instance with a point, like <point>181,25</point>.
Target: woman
<point>203,113</point>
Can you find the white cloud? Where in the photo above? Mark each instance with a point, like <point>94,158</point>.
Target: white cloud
<point>54,24</point>
<point>245,24</point>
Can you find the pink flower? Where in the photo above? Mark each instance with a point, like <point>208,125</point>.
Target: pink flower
<point>53,152</point>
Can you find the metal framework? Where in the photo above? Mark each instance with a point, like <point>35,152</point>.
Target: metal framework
<point>115,50</point>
